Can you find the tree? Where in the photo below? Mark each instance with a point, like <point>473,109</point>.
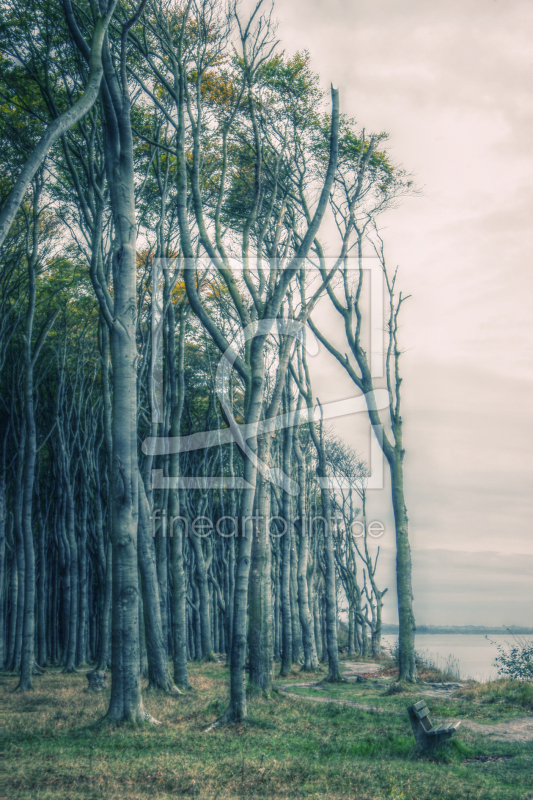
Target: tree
<point>204,49</point>
<point>62,123</point>
<point>350,310</point>
<point>160,393</point>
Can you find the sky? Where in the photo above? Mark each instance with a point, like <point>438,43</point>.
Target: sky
<point>448,82</point>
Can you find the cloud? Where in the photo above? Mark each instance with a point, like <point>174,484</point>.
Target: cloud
<point>448,81</point>
<point>467,588</point>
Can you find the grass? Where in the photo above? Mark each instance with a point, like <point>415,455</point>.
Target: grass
<point>487,703</point>
<point>289,749</point>
<point>432,669</point>
<point>387,699</point>
<point>436,669</point>
<point>503,692</point>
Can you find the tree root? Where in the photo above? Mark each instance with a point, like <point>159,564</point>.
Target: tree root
<point>227,718</point>
<point>151,720</point>
<point>170,689</point>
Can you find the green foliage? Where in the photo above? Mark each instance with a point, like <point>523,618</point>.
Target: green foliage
<point>515,661</point>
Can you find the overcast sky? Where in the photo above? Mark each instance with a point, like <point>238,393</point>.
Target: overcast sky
<point>448,81</point>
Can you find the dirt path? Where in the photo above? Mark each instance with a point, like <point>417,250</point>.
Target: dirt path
<point>519,729</point>
<point>363,707</point>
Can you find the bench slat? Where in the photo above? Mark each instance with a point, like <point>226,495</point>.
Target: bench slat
<point>438,729</point>
<point>444,728</point>
<point>427,734</point>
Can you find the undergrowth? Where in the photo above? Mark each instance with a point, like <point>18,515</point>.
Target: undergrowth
<point>502,692</point>
<point>431,669</point>
<point>56,750</point>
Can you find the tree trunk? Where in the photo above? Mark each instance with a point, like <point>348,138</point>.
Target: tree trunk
<point>318,628</point>
<point>297,648</point>
<point>126,700</point>
<point>28,633</point>
<point>70,653</point>
<point>202,583</point>
<point>12,627</point>
<point>81,657</point>
<point>106,550</point>
<point>306,620</point>
<point>104,657</point>
<point>2,567</point>
<point>286,540</point>
<point>260,594</point>
<point>41,594</point>
<point>176,370</point>
<point>160,542</point>
<point>18,603</point>
<point>179,631</point>
<point>407,627</point>
<point>158,674</point>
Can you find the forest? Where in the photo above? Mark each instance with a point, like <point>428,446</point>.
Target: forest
<point>186,216</point>
<point>204,532</point>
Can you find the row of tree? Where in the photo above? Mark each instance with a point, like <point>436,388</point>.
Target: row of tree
<point>168,486</point>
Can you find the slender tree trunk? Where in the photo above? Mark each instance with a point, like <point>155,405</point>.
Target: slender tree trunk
<point>202,583</point>
<point>18,602</point>
<point>407,627</point>
<point>106,550</point>
<point>158,673</point>
<point>260,594</point>
<point>351,631</point>
<point>81,657</point>
<point>2,567</point>
<point>126,699</point>
<point>176,372</point>
<point>306,620</point>
<point>143,649</point>
<point>297,647</point>
<point>286,609</point>
<point>12,624</point>
<point>318,628</point>
<point>104,657</point>
<point>160,542</point>
<point>28,633</point>
<point>70,655</point>
<point>41,594</point>
<point>331,595</point>
<point>276,581</point>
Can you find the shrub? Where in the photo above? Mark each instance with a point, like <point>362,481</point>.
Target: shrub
<point>515,661</point>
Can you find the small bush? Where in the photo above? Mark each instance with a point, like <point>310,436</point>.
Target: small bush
<point>515,661</point>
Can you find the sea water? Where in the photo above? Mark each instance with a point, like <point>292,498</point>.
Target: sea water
<point>474,654</point>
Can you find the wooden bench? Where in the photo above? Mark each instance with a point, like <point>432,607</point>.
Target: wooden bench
<point>427,735</point>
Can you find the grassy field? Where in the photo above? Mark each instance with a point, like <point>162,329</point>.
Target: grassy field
<point>291,748</point>
<point>491,703</point>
